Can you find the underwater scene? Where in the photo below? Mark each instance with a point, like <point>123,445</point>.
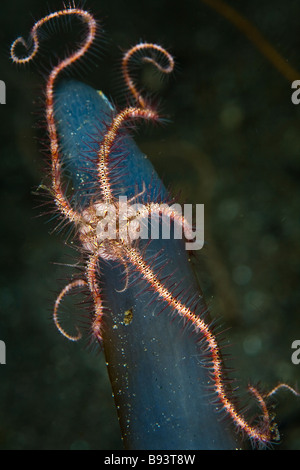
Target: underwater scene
<point>179,349</point>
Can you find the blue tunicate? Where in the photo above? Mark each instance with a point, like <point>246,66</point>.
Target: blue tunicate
<point>161,389</point>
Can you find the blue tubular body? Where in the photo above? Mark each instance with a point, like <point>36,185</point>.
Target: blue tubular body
<point>161,389</point>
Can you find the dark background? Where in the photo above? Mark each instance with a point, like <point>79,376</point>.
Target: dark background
<point>232,143</point>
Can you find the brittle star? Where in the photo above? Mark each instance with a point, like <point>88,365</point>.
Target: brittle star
<point>97,245</point>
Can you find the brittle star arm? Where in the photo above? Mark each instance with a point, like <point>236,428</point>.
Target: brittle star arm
<point>257,434</point>
<point>163,61</point>
<point>58,193</point>
<point>65,291</point>
<point>141,111</point>
<point>107,145</point>
<point>91,276</point>
<point>167,212</point>
<point>92,284</point>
